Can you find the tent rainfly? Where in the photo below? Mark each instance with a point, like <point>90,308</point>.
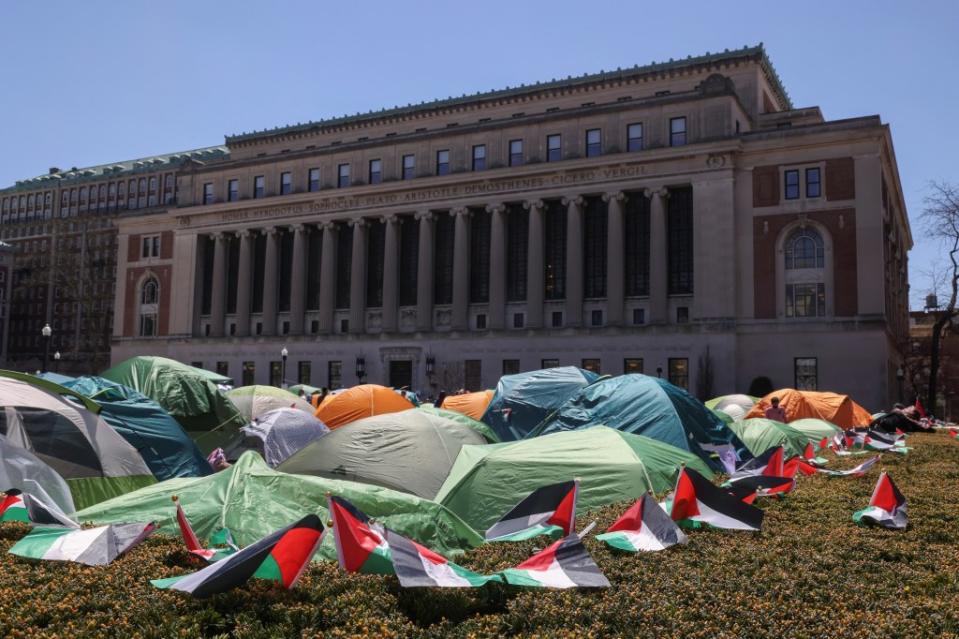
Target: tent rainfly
<point>832,407</point>
<point>255,401</point>
<point>761,434</point>
<point>470,404</point>
<point>366,400</point>
<point>280,433</point>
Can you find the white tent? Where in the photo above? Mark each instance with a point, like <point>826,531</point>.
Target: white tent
<point>283,432</point>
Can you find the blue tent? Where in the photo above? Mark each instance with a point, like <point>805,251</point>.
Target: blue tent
<point>646,406</point>
<point>524,400</point>
<point>161,441</point>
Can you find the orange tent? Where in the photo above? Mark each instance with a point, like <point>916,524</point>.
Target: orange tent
<point>470,404</point>
<point>831,407</point>
<point>358,402</point>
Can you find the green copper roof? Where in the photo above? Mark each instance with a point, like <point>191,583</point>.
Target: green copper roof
<point>99,172</point>
<point>570,81</point>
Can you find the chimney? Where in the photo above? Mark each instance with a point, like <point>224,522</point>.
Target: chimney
<point>54,170</point>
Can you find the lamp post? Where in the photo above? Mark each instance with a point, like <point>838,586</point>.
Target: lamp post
<point>430,368</point>
<point>283,355</point>
<point>360,368</point>
<point>46,332</point>
<point>900,375</point>
<point>56,362</point>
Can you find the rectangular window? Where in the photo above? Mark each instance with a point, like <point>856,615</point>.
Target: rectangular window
<point>223,368</point>
<point>557,319</point>
<point>259,186</point>
<point>249,373</point>
<point>314,180</point>
<point>515,152</point>
<point>479,157</point>
<point>233,190</point>
<point>632,365</point>
<point>596,317</point>
<point>481,321</point>
<point>519,320</point>
<point>677,131</point>
<point>517,247</point>
<point>303,372</point>
<point>443,162</point>
<point>682,315</point>
<point>376,171</point>
<point>594,143</point>
<point>592,365</point>
<point>792,184</point>
<point>334,374</point>
<point>806,300</point>
<point>409,166</point>
<point>510,366</point>
<point>806,372</point>
<point>343,176</point>
<point>276,374</point>
<point>679,372</point>
<point>595,247</point>
<point>472,374</point>
<point>679,237</point>
<point>443,237</point>
<point>208,193</point>
<point>554,148</point>
<point>639,316</point>
<point>151,246</point>
<point>549,363</point>
<point>634,138</point>
<point>286,183</point>
<point>813,182</point>
<point>479,237</point>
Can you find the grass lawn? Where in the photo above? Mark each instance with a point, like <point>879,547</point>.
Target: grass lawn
<point>810,573</point>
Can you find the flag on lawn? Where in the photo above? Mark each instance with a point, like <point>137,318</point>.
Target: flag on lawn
<point>281,556</point>
<point>645,527</point>
<point>360,544</point>
<point>887,507</point>
<point>809,451</point>
<point>922,411</point>
<point>747,489</point>
<point>697,499</point>
<point>769,463</point>
<point>419,567</point>
<point>564,564</point>
<point>222,538</point>
<point>12,508</point>
<point>91,546</point>
<point>547,510</point>
<point>795,464</point>
<point>858,471</point>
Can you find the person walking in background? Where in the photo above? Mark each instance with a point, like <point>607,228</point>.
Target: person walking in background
<point>775,412</point>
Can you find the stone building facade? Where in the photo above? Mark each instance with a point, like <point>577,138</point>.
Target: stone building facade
<point>6,269</point>
<point>680,219</point>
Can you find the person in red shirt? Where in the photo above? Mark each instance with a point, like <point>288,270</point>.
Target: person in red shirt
<point>774,412</point>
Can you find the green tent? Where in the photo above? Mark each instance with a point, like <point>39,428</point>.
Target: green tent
<point>815,429</point>
<point>410,451</point>
<point>466,420</point>
<point>190,395</point>
<point>760,434</point>
<point>486,481</point>
<point>252,500</point>
<point>255,401</point>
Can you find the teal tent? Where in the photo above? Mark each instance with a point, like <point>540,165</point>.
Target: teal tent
<point>647,406</point>
<point>160,440</point>
<point>524,400</point>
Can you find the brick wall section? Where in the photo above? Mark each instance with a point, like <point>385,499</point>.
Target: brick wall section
<point>166,245</point>
<point>132,301</point>
<point>133,248</point>
<point>765,186</point>
<point>845,287</point>
<point>840,179</point>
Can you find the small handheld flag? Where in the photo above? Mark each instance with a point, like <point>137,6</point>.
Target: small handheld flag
<point>858,471</point>
<point>564,564</point>
<point>419,567</point>
<point>193,543</point>
<point>12,508</point>
<point>697,499</point>
<point>769,463</point>
<point>547,510</point>
<point>645,527</point>
<point>887,507</point>
<point>360,544</point>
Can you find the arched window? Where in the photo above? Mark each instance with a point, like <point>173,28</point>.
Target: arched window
<point>149,300</point>
<point>804,249</point>
<point>804,270</point>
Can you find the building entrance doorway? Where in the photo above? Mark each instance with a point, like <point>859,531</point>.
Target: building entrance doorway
<point>401,373</point>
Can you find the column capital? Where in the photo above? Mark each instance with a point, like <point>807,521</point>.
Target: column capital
<point>460,211</point>
<point>357,222</point>
<point>424,215</point>
<point>327,225</point>
<point>298,228</point>
<point>390,218</point>
<point>573,199</point>
<point>533,204</point>
<point>497,207</point>
<point>244,233</point>
<point>662,192</point>
<point>618,196</point>
<point>271,230</point>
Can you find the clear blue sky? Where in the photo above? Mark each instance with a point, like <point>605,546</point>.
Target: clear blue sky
<point>94,81</point>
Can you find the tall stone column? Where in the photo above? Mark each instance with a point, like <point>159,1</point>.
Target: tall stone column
<point>424,273</point>
<point>244,283</point>
<point>218,299</point>
<point>327,277</point>
<point>298,280</point>
<point>497,266</point>
<point>358,277</point>
<point>391,273</point>
<point>461,269</point>
<point>271,280</point>
<point>615,258</point>
<point>658,264</point>
<point>535,265</point>
<point>574,260</point>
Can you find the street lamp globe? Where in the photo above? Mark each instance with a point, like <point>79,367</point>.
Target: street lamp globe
<point>284,352</point>
<point>46,331</point>
<point>56,356</point>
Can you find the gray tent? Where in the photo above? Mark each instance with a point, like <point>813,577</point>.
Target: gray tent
<point>281,432</point>
<point>410,451</point>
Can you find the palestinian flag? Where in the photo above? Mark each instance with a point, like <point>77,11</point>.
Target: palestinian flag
<point>193,543</point>
<point>419,567</point>
<point>796,465</point>
<point>953,433</point>
<point>887,507</point>
<point>547,510</point>
<point>281,556</point>
<point>360,544</point>
<point>769,463</point>
<point>645,527</point>
<point>747,489</point>
<point>12,508</point>
<point>809,453</point>
<point>564,564</point>
<point>91,546</point>
<point>697,499</point>
<point>858,471</point>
